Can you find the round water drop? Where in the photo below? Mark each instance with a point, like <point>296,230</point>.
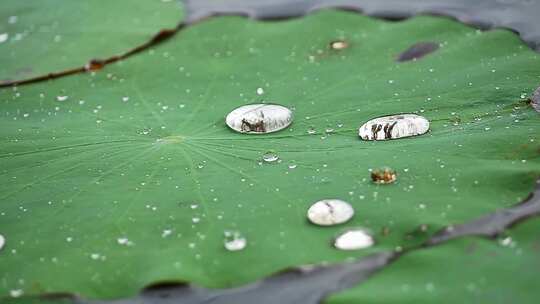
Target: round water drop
<point>234,241</point>
<point>311,131</point>
<point>354,239</point>
<point>270,157</point>
<point>393,126</point>
<point>2,241</point>
<point>260,91</point>
<point>329,212</point>
<point>259,118</point>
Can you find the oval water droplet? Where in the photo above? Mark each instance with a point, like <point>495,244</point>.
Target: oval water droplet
<point>339,45</point>
<point>383,176</point>
<point>259,118</point>
<point>354,239</point>
<point>234,241</point>
<point>2,241</point>
<point>393,127</point>
<point>329,212</point>
<point>270,157</point>
<point>61,98</point>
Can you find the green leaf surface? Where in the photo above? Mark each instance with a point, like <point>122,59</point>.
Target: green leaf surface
<point>464,271</point>
<point>133,150</point>
<point>46,36</point>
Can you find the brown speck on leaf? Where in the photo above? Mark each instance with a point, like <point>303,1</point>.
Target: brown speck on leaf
<point>94,65</point>
<point>383,176</point>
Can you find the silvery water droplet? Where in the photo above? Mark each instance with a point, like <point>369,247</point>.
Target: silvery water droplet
<point>4,37</point>
<point>15,293</point>
<point>311,131</point>
<point>234,241</point>
<point>270,157</point>
<point>2,241</point>
<point>61,98</point>
<point>383,176</point>
<point>394,126</point>
<point>259,118</point>
<point>354,239</point>
<point>339,45</point>
<point>260,91</point>
<point>124,241</point>
<point>329,212</point>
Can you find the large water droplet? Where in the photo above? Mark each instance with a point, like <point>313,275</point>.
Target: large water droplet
<point>393,126</point>
<point>354,239</point>
<point>383,176</point>
<point>234,241</point>
<point>2,241</point>
<point>329,212</point>
<point>259,118</point>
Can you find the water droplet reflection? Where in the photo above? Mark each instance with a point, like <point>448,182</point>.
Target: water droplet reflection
<point>393,127</point>
<point>259,118</point>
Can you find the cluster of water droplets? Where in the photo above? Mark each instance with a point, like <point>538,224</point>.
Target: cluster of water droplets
<point>268,118</point>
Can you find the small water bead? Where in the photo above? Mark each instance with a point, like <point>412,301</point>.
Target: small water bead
<point>270,157</point>
<point>4,37</point>
<point>2,241</point>
<point>260,91</point>
<point>292,166</point>
<point>234,241</point>
<point>329,212</point>
<point>62,98</point>
<point>354,239</point>
<point>259,118</point>
<point>383,176</point>
<point>393,127</point>
<point>339,45</point>
<point>124,241</point>
<point>311,131</point>
<point>15,293</point>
